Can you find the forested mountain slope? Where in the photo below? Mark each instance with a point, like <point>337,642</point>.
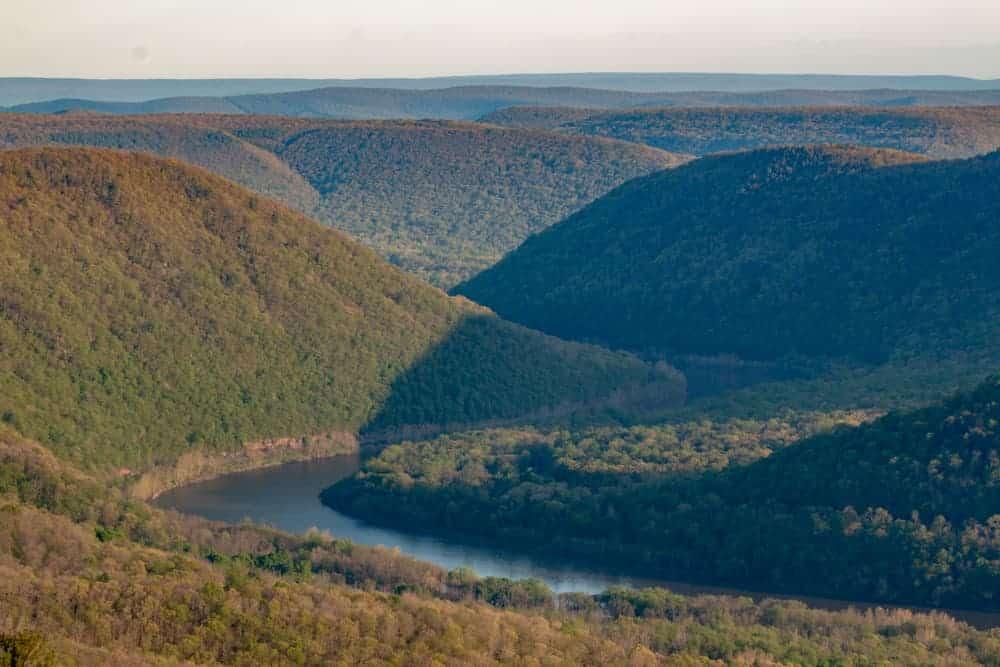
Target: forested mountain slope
<point>817,252</point>
<point>936,132</point>
<point>441,200</point>
<point>906,508</point>
<point>190,139</point>
<point>447,201</point>
<point>150,309</point>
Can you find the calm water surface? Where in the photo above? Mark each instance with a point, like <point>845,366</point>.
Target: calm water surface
<point>287,497</point>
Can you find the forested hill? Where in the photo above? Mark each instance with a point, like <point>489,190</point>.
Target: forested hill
<point>150,309</point>
<point>906,508</point>
<point>822,252</point>
<point>441,200</point>
<point>945,132</point>
<point>193,139</point>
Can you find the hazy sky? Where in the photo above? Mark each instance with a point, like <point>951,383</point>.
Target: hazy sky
<point>369,38</point>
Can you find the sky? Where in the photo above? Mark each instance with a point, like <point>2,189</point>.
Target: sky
<point>403,38</point>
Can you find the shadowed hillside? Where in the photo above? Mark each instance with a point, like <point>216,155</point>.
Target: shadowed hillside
<point>151,310</point>
<point>936,132</point>
<point>441,200</point>
<point>819,252</point>
<point>904,508</point>
<point>442,391</point>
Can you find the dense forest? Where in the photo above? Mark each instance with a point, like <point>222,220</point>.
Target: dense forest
<point>859,254</point>
<point>936,132</point>
<point>90,577</point>
<point>901,509</point>
<point>444,200</point>
<point>441,200</point>
<point>724,371</point>
<point>151,310</point>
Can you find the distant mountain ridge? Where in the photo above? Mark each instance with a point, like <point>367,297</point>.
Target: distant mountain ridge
<point>22,90</point>
<point>445,200</point>
<point>823,252</point>
<point>471,102</point>
<point>943,132</point>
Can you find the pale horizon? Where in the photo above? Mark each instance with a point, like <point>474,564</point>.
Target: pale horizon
<point>463,74</point>
<point>310,39</point>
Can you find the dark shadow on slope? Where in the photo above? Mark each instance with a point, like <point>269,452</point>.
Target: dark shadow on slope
<point>901,510</point>
<point>490,372</point>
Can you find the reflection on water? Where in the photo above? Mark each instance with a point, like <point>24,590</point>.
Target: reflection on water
<point>287,497</point>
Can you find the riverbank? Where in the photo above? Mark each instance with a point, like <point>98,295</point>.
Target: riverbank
<point>286,497</point>
<point>603,570</point>
<point>200,466</point>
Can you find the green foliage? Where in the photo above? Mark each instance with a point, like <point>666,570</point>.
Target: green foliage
<point>446,200</point>
<point>902,509</point>
<point>441,200</point>
<point>501,592</point>
<point>808,252</point>
<point>25,649</point>
<point>150,310</point>
<point>105,534</point>
<point>174,589</point>
<point>937,132</point>
<point>490,367</point>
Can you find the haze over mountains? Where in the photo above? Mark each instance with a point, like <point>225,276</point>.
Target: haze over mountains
<point>473,102</point>
<point>24,90</point>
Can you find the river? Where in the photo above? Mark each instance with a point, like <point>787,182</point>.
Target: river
<point>286,497</point>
